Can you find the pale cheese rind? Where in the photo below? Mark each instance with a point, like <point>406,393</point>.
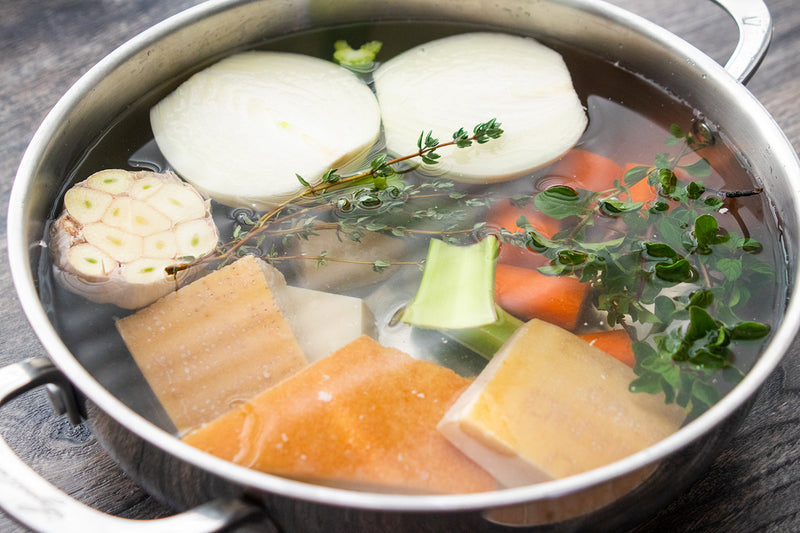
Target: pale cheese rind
<point>549,406</point>
<point>323,322</point>
<point>214,343</point>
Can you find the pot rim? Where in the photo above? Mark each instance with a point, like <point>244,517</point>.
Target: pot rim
<point>19,259</point>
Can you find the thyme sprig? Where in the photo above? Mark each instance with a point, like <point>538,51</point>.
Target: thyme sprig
<point>322,259</point>
<point>375,180</point>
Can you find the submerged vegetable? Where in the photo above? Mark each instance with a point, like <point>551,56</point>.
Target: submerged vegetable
<point>615,342</point>
<point>241,129</point>
<point>526,293</point>
<point>120,230</point>
<point>460,79</point>
<point>360,59</point>
<point>456,291</point>
<point>486,340</point>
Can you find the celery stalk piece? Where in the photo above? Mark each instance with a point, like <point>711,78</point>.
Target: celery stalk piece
<point>347,56</point>
<point>486,340</point>
<point>457,288</point>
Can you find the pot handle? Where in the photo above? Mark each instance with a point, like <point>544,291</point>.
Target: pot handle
<point>39,505</point>
<point>755,32</point>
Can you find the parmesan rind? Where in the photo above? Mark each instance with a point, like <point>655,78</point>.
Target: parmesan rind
<point>214,343</point>
<point>363,418</point>
<point>323,322</point>
<point>549,405</point>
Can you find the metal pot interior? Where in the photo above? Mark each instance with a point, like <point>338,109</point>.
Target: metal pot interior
<point>147,67</point>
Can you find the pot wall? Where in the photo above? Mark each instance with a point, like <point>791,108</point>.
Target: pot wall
<point>61,143</point>
<point>181,486</point>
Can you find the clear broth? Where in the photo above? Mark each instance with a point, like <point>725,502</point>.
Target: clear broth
<point>629,121</point>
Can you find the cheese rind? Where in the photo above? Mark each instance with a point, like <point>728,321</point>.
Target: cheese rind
<point>323,322</point>
<point>364,417</point>
<point>549,405</point>
<point>214,343</point>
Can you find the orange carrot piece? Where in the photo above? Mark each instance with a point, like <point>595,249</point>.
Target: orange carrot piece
<point>616,343</point>
<point>641,191</point>
<point>585,170</point>
<point>520,257</point>
<point>505,216</point>
<point>527,294</point>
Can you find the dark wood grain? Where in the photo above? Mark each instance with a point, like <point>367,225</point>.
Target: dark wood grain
<point>45,45</point>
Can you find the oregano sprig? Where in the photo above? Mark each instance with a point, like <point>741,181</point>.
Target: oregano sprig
<point>673,240</point>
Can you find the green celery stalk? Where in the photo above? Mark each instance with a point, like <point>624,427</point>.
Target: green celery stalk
<point>457,287</point>
<point>346,55</point>
<point>486,340</point>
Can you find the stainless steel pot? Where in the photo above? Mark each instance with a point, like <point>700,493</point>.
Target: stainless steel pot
<point>226,493</point>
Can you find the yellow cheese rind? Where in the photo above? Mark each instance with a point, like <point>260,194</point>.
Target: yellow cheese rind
<point>549,406</point>
<point>214,343</point>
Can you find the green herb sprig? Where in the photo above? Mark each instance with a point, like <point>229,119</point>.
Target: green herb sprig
<point>378,189</point>
<point>632,276</point>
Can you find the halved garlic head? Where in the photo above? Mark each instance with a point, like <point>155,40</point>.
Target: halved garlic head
<point>120,230</point>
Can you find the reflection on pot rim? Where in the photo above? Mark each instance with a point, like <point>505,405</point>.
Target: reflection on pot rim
<point>55,146</point>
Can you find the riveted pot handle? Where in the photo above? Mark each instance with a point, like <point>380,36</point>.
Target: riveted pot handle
<point>39,505</point>
<point>755,31</point>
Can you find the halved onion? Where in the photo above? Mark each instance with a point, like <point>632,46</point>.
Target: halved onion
<point>119,231</point>
<point>243,128</point>
<point>467,79</point>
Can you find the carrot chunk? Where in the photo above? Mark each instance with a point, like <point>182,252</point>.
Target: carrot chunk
<point>527,294</point>
<point>616,343</point>
<point>505,216</point>
<point>585,170</point>
<point>641,191</point>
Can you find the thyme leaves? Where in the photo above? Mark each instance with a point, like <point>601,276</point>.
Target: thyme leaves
<point>355,200</point>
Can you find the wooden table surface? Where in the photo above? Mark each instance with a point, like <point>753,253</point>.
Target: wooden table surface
<point>45,45</point>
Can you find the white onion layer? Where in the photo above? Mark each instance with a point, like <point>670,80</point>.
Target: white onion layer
<point>243,128</point>
<point>467,79</point>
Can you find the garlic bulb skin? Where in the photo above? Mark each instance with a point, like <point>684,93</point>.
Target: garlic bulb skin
<point>119,230</point>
